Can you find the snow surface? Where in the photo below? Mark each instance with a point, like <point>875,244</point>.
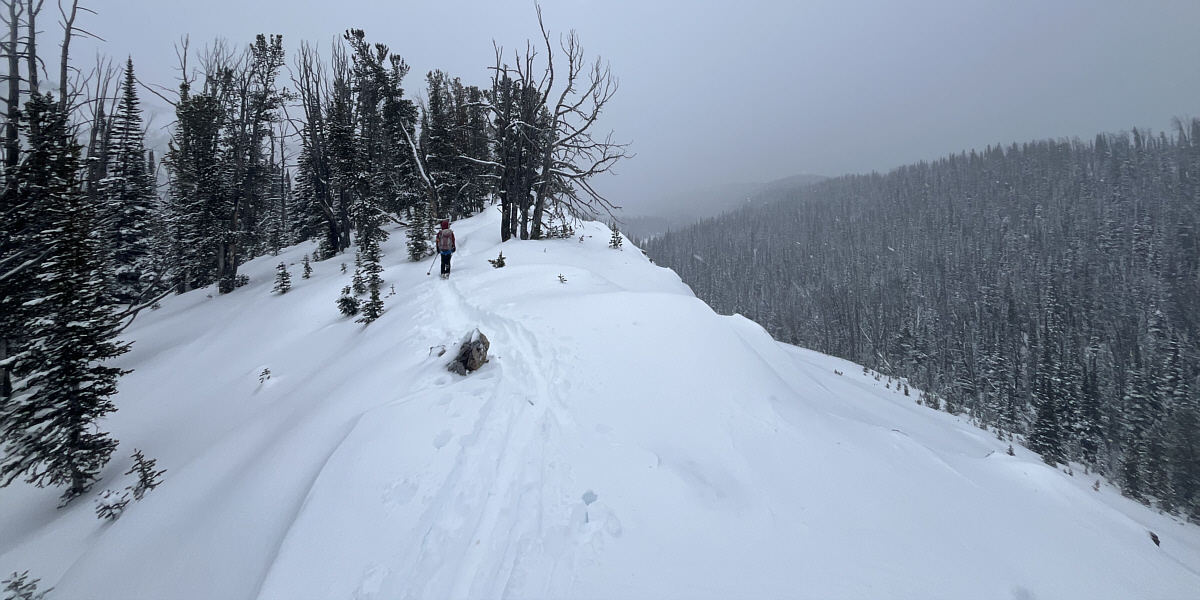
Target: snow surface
<point>623,442</point>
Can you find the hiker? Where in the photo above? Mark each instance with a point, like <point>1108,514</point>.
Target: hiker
<point>445,246</point>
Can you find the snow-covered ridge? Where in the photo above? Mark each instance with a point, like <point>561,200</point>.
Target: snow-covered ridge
<point>624,441</point>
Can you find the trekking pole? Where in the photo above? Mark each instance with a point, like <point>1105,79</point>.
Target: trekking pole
<point>435,257</point>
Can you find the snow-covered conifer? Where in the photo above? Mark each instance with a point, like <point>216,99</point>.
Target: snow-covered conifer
<point>129,198</point>
<point>357,282</point>
<point>347,304</point>
<point>48,427</point>
<point>283,279</point>
<point>615,241</point>
<point>307,271</point>
<point>110,505</point>
<point>373,308</point>
<point>418,233</point>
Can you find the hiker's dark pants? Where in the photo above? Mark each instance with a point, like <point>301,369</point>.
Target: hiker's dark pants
<point>445,263</point>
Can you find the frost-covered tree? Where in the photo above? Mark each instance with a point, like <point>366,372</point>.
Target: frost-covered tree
<point>614,241</point>
<point>283,279</point>
<point>372,309</point>
<point>128,197</point>
<point>219,158</point>
<point>347,304</point>
<point>418,233</point>
<point>48,426</point>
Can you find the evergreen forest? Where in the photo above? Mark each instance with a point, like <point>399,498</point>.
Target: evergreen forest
<point>1050,291</point>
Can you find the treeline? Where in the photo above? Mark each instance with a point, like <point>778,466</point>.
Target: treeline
<point>262,155</point>
<point>1050,290</point>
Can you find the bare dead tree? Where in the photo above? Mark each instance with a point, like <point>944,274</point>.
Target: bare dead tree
<point>312,88</point>
<point>573,154</point>
<point>63,65</point>
<point>100,129</point>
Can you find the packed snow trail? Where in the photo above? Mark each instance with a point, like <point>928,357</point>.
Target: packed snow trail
<point>623,441</point>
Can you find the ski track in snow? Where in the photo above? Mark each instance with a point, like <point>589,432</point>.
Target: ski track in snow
<point>487,519</point>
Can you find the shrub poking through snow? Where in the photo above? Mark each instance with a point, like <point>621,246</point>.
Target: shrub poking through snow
<point>148,478</point>
<point>110,505</point>
<point>561,279</point>
<point>283,279</point>
<point>499,262</point>
<point>17,588</point>
<point>347,303</point>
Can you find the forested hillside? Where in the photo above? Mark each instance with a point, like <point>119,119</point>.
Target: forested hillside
<point>1050,290</point>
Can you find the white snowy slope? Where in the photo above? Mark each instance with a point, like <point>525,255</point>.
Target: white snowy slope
<point>623,442</point>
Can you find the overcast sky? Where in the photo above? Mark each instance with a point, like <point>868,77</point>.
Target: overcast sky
<point>718,92</point>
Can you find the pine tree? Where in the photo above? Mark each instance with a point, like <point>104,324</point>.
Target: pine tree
<point>307,272</point>
<point>129,198</point>
<point>283,279</point>
<point>110,505</point>
<point>20,588</point>
<point>615,241</point>
<point>1046,437</point>
<point>148,478</point>
<point>373,308</point>
<point>418,233</point>
<point>347,304</point>
<point>196,204</point>
<point>62,389</point>
<point>357,282</point>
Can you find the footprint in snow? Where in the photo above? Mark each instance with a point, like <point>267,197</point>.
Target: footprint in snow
<point>598,517</point>
<point>442,439</point>
<point>400,492</point>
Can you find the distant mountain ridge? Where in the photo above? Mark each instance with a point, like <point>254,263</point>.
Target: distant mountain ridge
<point>683,209</point>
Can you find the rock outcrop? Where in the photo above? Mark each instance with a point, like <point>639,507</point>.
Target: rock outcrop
<point>472,353</point>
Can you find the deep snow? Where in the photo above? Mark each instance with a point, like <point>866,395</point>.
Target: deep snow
<point>624,441</point>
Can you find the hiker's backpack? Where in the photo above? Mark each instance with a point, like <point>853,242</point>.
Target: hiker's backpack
<point>445,240</point>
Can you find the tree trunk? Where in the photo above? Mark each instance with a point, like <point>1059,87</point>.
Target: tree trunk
<point>5,380</point>
<point>11,139</point>
<point>31,50</point>
<point>505,217</point>
<point>68,28</point>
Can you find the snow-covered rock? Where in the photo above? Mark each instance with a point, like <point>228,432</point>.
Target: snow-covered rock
<point>623,441</point>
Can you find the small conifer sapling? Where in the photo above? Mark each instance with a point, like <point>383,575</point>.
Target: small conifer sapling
<point>499,262</point>
<point>307,273</point>
<point>110,505</point>
<point>148,478</point>
<point>615,241</point>
<point>283,279</point>
<point>347,303</point>
<point>18,588</point>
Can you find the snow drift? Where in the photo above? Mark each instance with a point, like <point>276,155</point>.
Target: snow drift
<point>623,441</point>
